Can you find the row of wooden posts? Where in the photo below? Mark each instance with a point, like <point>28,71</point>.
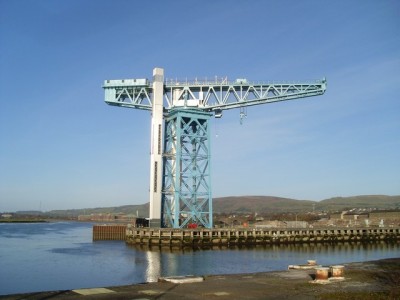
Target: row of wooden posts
<point>239,236</point>
<point>109,232</point>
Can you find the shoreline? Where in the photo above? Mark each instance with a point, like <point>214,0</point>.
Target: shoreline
<point>23,221</point>
<point>379,279</point>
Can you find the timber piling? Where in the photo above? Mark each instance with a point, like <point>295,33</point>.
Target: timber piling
<point>246,236</point>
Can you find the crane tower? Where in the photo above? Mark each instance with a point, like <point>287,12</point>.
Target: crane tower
<point>180,172</point>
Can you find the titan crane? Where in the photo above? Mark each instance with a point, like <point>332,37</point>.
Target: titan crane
<point>180,181</point>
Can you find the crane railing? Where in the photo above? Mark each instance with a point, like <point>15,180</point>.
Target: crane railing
<point>224,81</point>
<point>219,94</point>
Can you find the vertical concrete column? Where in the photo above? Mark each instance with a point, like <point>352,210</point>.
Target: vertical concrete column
<point>156,149</point>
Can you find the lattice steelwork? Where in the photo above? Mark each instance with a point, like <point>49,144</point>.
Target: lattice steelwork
<point>186,107</point>
<point>186,195</point>
<point>209,95</point>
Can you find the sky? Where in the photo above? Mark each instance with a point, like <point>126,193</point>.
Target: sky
<point>62,147</point>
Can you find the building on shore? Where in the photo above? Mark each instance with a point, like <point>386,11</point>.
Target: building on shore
<point>379,218</point>
<point>108,217</point>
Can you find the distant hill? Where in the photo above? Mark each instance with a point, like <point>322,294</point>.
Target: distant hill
<point>268,204</point>
<point>142,210</point>
<point>260,204</point>
<point>366,201</point>
<point>252,204</point>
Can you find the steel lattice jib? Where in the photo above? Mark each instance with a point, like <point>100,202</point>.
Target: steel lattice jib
<point>186,194</point>
<point>180,115</point>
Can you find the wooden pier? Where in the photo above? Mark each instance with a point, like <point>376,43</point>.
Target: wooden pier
<point>248,236</point>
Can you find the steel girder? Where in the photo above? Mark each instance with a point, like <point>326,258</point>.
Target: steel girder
<point>187,105</point>
<point>186,195</point>
<point>128,96</point>
<point>209,96</point>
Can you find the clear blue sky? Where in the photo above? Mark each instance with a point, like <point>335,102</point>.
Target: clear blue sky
<point>62,147</point>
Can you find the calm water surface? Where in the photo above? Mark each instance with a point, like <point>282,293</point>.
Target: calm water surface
<point>58,256</point>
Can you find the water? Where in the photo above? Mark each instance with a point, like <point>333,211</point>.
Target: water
<point>58,256</point>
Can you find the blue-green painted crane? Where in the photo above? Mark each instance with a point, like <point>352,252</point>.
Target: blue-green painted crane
<point>180,176</point>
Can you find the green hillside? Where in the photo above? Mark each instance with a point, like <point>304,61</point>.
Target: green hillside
<point>252,204</point>
<point>142,210</point>
<point>260,204</point>
<point>268,204</point>
<point>366,201</point>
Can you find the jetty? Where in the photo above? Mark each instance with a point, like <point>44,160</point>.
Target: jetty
<point>113,232</point>
<point>251,236</point>
<point>203,237</point>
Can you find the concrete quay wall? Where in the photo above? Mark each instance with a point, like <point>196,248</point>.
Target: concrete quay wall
<point>241,236</point>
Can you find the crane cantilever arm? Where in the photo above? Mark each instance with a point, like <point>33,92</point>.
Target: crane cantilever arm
<point>241,93</point>
<point>132,93</point>
<point>208,96</point>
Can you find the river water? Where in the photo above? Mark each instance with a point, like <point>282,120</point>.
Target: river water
<point>59,256</point>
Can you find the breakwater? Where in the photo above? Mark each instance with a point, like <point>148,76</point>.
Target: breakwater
<point>255,236</point>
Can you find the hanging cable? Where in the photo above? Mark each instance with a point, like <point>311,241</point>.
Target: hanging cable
<point>242,114</point>
<point>215,128</point>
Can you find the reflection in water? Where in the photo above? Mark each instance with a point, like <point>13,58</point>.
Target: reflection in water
<point>222,260</point>
<point>61,256</point>
<point>153,269</point>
